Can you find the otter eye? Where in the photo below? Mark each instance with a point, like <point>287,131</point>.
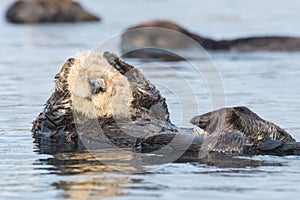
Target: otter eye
<point>97,85</point>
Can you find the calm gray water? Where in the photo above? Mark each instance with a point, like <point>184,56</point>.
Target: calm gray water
<point>268,83</point>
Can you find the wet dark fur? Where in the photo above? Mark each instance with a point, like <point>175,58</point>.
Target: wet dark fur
<point>265,43</point>
<point>145,94</point>
<point>56,120</point>
<point>238,129</point>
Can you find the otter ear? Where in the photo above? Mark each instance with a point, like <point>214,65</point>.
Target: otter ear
<point>117,62</point>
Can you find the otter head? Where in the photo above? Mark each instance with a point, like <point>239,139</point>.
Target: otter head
<point>97,89</point>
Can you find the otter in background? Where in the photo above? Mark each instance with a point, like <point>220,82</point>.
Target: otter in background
<point>144,41</point>
<point>48,11</point>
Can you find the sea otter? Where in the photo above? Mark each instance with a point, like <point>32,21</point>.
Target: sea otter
<point>102,98</point>
<point>48,11</point>
<point>149,40</point>
<point>238,128</point>
<point>103,94</point>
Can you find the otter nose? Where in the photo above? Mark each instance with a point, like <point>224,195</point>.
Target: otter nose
<point>97,85</point>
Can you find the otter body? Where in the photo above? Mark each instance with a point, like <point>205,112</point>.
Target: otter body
<point>156,38</point>
<point>238,129</point>
<point>48,11</point>
<point>100,101</point>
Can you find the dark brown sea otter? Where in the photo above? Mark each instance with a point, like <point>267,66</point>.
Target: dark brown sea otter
<point>48,11</point>
<point>238,129</point>
<point>137,40</point>
<point>101,99</point>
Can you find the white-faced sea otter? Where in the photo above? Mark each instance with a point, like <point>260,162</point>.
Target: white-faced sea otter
<point>98,87</point>
<point>101,97</point>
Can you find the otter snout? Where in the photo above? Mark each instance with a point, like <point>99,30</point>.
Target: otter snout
<point>97,85</point>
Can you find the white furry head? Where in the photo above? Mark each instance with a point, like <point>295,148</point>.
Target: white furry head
<point>115,97</point>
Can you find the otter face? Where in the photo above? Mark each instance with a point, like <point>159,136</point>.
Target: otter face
<point>97,85</point>
<point>97,89</point>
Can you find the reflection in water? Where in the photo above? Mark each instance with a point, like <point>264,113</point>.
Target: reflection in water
<point>93,188</point>
<point>95,179</point>
<point>228,161</point>
<point>91,179</point>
